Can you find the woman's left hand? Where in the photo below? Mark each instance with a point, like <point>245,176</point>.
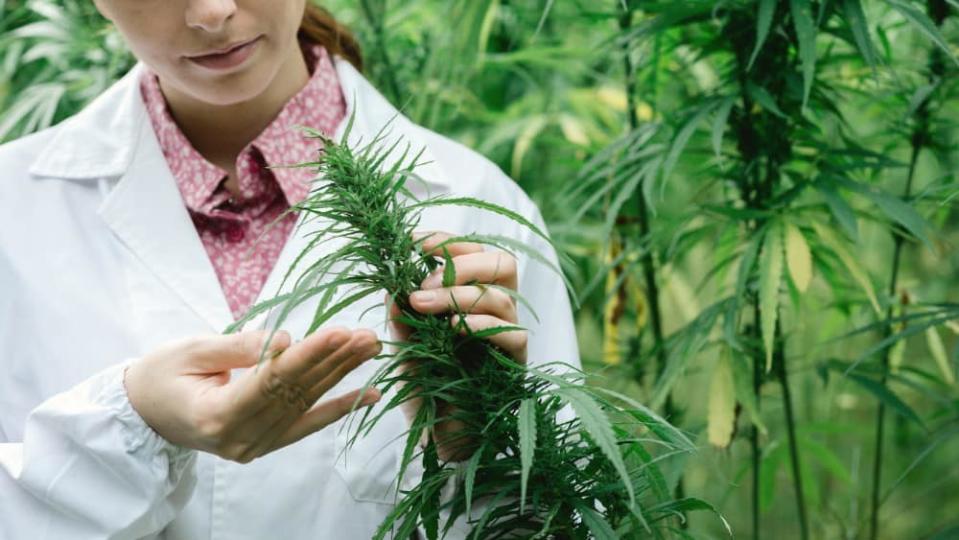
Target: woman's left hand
<point>478,293</point>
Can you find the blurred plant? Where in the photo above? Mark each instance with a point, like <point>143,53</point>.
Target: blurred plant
<point>57,56</point>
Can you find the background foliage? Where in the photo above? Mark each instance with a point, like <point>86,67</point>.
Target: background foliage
<point>758,198</point>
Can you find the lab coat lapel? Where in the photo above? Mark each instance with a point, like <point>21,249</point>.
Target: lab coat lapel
<point>113,138</point>
<point>146,211</point>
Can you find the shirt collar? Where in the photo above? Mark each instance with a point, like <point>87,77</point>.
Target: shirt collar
<point>100,141</point>
<point>319,105</point>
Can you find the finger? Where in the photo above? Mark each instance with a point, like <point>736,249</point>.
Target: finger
<point>433,243</point>
<point>513,342</point>
<point>218,353</point>
<point>279,377</point>
<point>360,354</point>
<point>296,397</point>
<point>497,267</point>
<point>324,414</point>
<point>465,299</point>
<point>363,343</point>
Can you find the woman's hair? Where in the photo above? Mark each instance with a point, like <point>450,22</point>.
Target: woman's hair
<point>321,28</point>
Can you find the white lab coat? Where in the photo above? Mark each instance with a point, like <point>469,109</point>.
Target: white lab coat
<point>100,263</point>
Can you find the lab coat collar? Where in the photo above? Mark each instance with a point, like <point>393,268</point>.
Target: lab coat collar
<point>101,140</point>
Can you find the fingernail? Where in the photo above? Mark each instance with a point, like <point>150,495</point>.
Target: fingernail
<point>423,297</point>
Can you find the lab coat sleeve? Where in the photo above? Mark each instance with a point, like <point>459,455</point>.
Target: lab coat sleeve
<point>89,467</point>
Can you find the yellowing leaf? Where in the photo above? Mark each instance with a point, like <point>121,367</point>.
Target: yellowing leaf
<point>770,277</point>
<point>573,130</point>
<point>524,141</point>
<point>644,112</point>
<point>954,326</point>
<point>613,310</point>
<point>896,354</point>
<point>852,266</point>
<point>938,351</point>
<point>612,97</point>
<point>721,417</point>
<point>798,257</point>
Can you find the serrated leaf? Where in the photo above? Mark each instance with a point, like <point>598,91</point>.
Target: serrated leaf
<point>801,11</point>
<point>765,100</point>
<point>597,524</point>
<point>852,266</point>
<point>595,421</point>
<point>770,278</point>
<point>682,138</point>
<point>527,445</point>
<point>938,351</point>
<point>470,479</point>
<point>719,124</point>
<point>525,141</point>
<point>840,209</point>
<point>798,257</point>
<point>856,19</point>
<point>924,24</point>
<point>482,205</point>
<point>902,213</point>
<point>449,269</point>
<point>721,418</point>
<point>764,20</point>
<point>885,395</point>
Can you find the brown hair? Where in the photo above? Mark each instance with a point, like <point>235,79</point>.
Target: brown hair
<point>321,28</point>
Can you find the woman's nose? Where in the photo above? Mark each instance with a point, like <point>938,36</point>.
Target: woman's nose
<point>209,15</point>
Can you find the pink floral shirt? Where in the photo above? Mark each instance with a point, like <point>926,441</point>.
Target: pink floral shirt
<point>230,229</point>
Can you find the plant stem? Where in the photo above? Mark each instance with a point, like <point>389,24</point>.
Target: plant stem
<point>898,241</point>
<point>939,10</point>
<point>389,74</point>
<point>781,374</point>
<point>754,438</point>
<point>642,207</point>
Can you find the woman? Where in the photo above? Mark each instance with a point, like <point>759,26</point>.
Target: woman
<point>132,234</point>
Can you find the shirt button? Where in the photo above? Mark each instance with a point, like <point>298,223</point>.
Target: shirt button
<point>235,233</point>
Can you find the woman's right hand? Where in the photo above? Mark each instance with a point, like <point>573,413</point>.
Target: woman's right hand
<point>184,391</point>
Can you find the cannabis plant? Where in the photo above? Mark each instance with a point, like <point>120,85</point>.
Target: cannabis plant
<point>531,469</point>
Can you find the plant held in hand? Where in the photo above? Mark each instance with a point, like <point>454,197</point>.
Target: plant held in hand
<point>527,469</point>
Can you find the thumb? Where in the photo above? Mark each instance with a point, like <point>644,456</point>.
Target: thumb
<point>243,349</point>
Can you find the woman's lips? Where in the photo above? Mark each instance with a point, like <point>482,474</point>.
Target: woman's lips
<point>226,60</point>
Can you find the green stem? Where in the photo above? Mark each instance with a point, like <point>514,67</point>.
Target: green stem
<point>898,241</point>
<point>642,207</point>
<point>781,374</point>
<point>938,10</point>
<point>758,362</point>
